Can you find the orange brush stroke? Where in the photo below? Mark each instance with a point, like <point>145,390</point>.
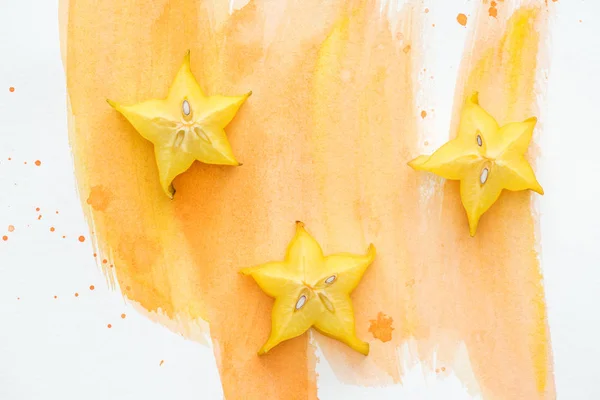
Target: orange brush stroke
<point>324,139</point>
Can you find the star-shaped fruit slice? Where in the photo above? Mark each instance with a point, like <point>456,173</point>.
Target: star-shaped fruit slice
<point>485,158</point>
<point>184,127</point>
<point>312,290</point>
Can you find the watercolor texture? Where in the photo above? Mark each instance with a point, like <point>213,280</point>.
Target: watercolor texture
<point>324,138</point>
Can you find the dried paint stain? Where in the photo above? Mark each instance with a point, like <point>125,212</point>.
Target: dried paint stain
<point>381,328</point>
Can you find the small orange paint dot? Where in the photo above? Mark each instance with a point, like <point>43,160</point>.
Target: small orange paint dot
<point>56,297</point>
<point>52,229</point>
<point>11,228</point>
<point>82,239</point>
<point>104,261</point>
<point>426,10</point>
<point>38,162</point>
<point>109,326</point>
<point>11,89</point>
<point>123,316</point>
<point>92,287</point>
<point>57,211</point>
<point>433,25</point>
<point>9,158</point>
<point>18,298</point>
<point>111,266</point>
<point>493,12</point>
<point>462,19</point>
<point>95,255</point>
<point>76,294</point>
<point>5,238</point>
<point>64,237</point>
<point>25,162</point>
<point>161,363</point>
<point>443,368</point>
<point>423,114</point>
<point>37,209</point>
<point>39,217</point>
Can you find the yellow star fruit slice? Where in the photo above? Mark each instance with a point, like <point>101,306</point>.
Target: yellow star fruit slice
<point>485,158</point>
<point>184,127</point>
<point>312,290</point>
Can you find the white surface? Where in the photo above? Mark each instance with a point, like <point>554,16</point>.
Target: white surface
<point>61,348</point>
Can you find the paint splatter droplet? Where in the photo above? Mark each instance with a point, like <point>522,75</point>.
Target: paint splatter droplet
<point>5,238</point>
<point>95,254</point>
<point>123,316</point>
<point>11,89</point>
<point>38,162</point>
<point>423,114</point>
<point>39,217</point>
<point>52,229</point>
<point>76,294</point>
<point>82,239</point>
<point>426,10</point>
<point>109,326</point>
<point>37,209</point>
<point>99,198</point>
<point>493,12</point>
<point>104,261</point>
<point>462,19</point>
<point>443,369</point>
<point>11,228</point>
<point>406,49</point>
<point>161,363</point>
<point>381,328</point>
<point>56,297</point>
<point>92,287</point>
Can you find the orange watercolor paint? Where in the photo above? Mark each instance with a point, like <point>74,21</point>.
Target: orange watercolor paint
<point>504,364</point>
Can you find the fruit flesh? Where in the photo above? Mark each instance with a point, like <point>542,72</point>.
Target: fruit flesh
<point>485,158</point>
<point>185,127</point>
<point>312,290</point>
